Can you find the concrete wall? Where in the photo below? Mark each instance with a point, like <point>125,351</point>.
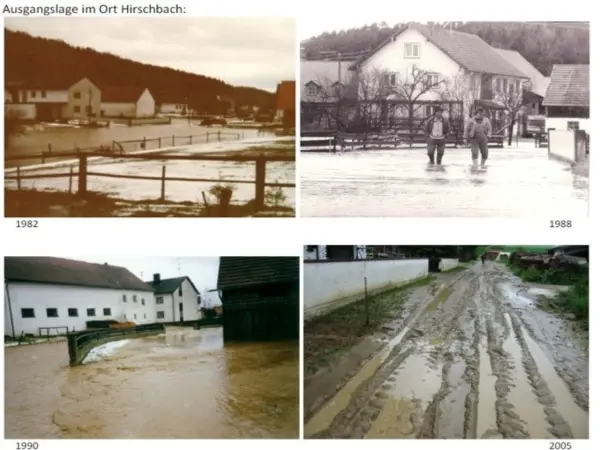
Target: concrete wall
<point>330,285</point>
<point>448,264</point>
<point>62,297</point>
<point>562,144</point>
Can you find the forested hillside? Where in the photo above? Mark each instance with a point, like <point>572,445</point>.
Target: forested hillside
<point>543,44</point>
<point>41,62</point>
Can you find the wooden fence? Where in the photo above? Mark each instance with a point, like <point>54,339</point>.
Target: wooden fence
<point>337,140</point>
<point>83,171</point>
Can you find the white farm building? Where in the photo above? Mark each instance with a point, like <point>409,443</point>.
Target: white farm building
<point>45,295</point>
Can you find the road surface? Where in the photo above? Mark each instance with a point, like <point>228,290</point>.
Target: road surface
<point>520,182</point>
<point>185,384</point>
<point>476,360</point>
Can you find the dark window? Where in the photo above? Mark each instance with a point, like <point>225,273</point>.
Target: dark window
<point>106,311</point>
<point>27,313</point>
<point>135,316</point>
<point>143,301</point>
<point>124,298</point>
<point>91,312</point>
<point>159,300</point>
<point>43,94</point>
<point>144,315</point>
<point>160,314</point>
<point>76,109</point>
<point>73,312</point>
<point>32,94</point>
<point>51,312</point>
<point>76,94</point>
<point>135,299</point>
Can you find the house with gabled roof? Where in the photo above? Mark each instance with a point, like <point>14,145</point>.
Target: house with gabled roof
<point>567,100</point>
<point>49,296</point>
<point>127,101</point>
<point>175,299</point>
<point>450,60</point>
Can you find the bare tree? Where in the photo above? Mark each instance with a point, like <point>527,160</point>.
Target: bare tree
<point>511,100</point>
<point>466,89</point>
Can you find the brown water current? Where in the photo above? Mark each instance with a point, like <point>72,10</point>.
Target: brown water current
<point>470,366</point>
<point>184,384</point>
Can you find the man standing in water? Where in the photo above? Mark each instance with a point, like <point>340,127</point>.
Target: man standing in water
<point>437,129</point>
<point>477,132</point>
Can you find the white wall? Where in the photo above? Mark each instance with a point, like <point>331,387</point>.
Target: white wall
<point>23,111</point>
<point>330,285</point>
<point>561,123</point>
<point>27,96</point>
<point>448,264</point>
<point>170,306</point>
<point>171,108</point>
<point>145,106</point>
<point>41,296</point>
<point>562,144</point>
<point>118,109</point>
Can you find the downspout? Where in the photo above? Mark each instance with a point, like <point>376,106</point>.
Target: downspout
<point>10,312</point>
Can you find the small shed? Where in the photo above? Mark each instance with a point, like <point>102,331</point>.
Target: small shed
<point>261,298</point>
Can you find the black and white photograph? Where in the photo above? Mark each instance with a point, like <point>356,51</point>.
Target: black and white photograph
<point>149,117</point>
<point>151,348</point>
<point>446,342</point>
<point>444,119</point>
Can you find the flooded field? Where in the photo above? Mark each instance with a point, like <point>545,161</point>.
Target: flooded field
<point>177,191</point>
<point>67,138</point>
<point>519,182</point>
<point>185,384</point>
<point>474,360</point>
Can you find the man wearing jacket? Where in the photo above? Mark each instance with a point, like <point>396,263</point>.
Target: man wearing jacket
<point>477,132</point>
<point>437,130</point>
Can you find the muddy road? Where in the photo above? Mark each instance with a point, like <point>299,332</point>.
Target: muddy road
<point>474,359</point>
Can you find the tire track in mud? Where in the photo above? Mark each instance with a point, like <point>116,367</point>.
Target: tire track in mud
<point>465,369</point>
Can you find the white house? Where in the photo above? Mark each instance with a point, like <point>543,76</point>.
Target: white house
<point>175,299</point>
<point>45,295</point>
<point>127,101</point>
<point>173,108</point>
<point>322,81</point>
<point>443,64</point>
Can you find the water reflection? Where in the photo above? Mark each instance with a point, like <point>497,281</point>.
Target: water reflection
<point>184,384</point>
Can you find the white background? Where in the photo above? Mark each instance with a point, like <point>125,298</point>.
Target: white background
<point>277,237</point>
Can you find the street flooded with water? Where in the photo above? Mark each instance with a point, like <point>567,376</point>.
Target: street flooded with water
<point>519,182</point>
<point>184,384</point>
<point>477,359</point>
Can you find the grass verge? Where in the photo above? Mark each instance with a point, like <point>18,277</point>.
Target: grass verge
<point>329,335</point>
<point>575,300</point>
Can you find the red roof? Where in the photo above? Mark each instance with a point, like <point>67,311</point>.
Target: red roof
<point>286,96</point>
<point>122,94</point>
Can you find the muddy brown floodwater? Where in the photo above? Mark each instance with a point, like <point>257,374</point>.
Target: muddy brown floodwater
<point>477,359</point>
<point>184,384</point>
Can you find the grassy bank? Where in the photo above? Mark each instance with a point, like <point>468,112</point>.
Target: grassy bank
<point>330,334</point>
<point>575,300</point>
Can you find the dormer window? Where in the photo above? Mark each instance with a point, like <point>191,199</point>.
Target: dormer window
<point>312,89</point>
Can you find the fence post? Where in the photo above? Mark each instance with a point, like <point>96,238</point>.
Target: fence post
<point>219,136</point>
<point>18,178</point>
<point>49,148</point>
<point>207,136</point>
<point>163,182</point>
<point>190,139</point>
<point>173,141</point>
<point>261,170</point>
<point>71,180</point>
<point>144,143</point>
<point>159,143</point>
<point>366,303</point>
<point>82,179</point>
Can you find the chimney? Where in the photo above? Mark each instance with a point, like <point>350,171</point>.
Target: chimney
<point>157,278</point>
